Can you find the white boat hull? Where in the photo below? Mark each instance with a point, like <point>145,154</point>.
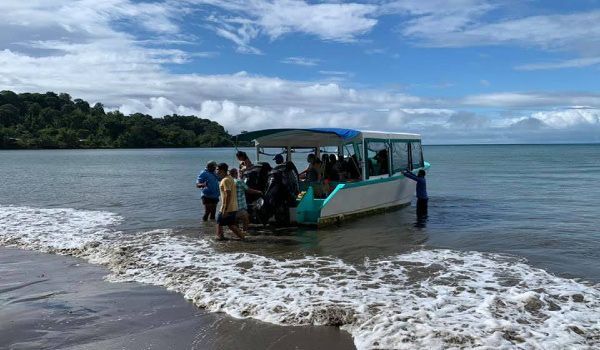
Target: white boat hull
<point>358,199</point>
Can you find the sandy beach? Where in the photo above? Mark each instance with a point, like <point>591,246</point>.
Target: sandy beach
<point>59,302</point>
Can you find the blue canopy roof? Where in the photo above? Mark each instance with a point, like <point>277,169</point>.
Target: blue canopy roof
<point>344,134</point>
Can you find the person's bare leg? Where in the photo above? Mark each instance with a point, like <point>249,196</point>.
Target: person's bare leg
<point>220,232</point>
<point>237,231</point>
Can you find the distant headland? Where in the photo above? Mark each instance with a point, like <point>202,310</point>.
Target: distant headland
<point>54,121</point>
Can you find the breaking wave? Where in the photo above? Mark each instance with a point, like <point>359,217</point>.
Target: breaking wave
<point>428,298</point>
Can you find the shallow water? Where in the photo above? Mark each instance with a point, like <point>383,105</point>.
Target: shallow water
<point>508,227</point>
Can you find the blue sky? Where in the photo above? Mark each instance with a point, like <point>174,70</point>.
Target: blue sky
<point>458,71</point>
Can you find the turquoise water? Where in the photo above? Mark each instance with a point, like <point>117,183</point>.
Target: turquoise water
<point>508,227</point>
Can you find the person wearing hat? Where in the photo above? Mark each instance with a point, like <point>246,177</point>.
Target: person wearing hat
<point>208,181</point>
<point>278,159</point>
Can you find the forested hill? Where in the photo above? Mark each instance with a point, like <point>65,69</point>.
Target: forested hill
<point>50,120</point>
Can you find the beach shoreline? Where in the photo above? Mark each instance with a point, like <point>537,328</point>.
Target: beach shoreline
<point>61,302</point>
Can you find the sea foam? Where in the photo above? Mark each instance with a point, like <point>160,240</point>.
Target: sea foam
<point>428,298</point>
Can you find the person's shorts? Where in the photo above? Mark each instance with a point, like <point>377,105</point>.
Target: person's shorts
<point>208,200</point>
<point>226,219</point>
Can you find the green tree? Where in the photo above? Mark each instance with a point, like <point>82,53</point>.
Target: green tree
<point>50,120</point>
<point>9,115</point>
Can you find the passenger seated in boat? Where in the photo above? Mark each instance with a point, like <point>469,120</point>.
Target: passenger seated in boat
<point>383,162</point>
<point>378,165</point>
<point>314,179</point>
<point>333,169</point>
<point>314,171</point>
<point>310,159</point>
<point>324,166</point>
<point>352,169</point>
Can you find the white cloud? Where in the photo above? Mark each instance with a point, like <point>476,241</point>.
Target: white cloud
<point>87,16</point>
<point>430,19</point>
<point>530,100</point>
<point>567,118</point>
<point>240,31</point>
<point>246,20</point>
<point>464,23</point>
<point>331,21</point>
<point>572,63</point>
<point>301,61</point>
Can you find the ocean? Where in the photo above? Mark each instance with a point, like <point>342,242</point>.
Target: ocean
<point>507,257</point>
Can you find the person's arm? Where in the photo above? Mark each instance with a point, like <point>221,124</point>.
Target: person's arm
<point>201,181</point>
<point>251,190</point>
<point>410,175</point>
<point>248,189</point>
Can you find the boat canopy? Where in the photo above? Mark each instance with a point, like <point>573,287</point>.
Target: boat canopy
<point>317,136</point>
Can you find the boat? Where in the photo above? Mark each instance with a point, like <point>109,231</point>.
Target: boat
<point>378,159</point>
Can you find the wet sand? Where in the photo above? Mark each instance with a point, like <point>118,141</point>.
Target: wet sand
<point>58,302</point>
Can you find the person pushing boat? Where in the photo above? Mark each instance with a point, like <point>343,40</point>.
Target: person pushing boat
<point>422,197</point>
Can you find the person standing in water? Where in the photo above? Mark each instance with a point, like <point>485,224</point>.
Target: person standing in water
<point>422,197</point>
<point>241,189</point>
<point>208,181</point>
<point>228,208</point>
<point>245,162</point>
<point>291,173</point>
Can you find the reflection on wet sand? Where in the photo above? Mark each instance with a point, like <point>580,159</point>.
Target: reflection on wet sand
<point>57,302</point>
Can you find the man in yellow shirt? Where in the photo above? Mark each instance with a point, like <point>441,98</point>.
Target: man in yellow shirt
<point>228,207</point>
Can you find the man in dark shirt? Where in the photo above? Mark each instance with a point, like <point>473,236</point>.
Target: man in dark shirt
<point>422,197</point>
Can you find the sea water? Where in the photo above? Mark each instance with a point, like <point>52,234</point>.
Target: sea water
<point>507,257</point>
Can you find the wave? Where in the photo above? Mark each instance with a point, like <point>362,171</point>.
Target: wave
<point>428,298</point>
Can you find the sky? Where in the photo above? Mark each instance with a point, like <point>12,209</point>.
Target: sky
<point>454,71</point>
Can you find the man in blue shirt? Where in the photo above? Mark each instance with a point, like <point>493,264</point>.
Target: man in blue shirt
<point>208,181</point>
<point>422,197</point>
